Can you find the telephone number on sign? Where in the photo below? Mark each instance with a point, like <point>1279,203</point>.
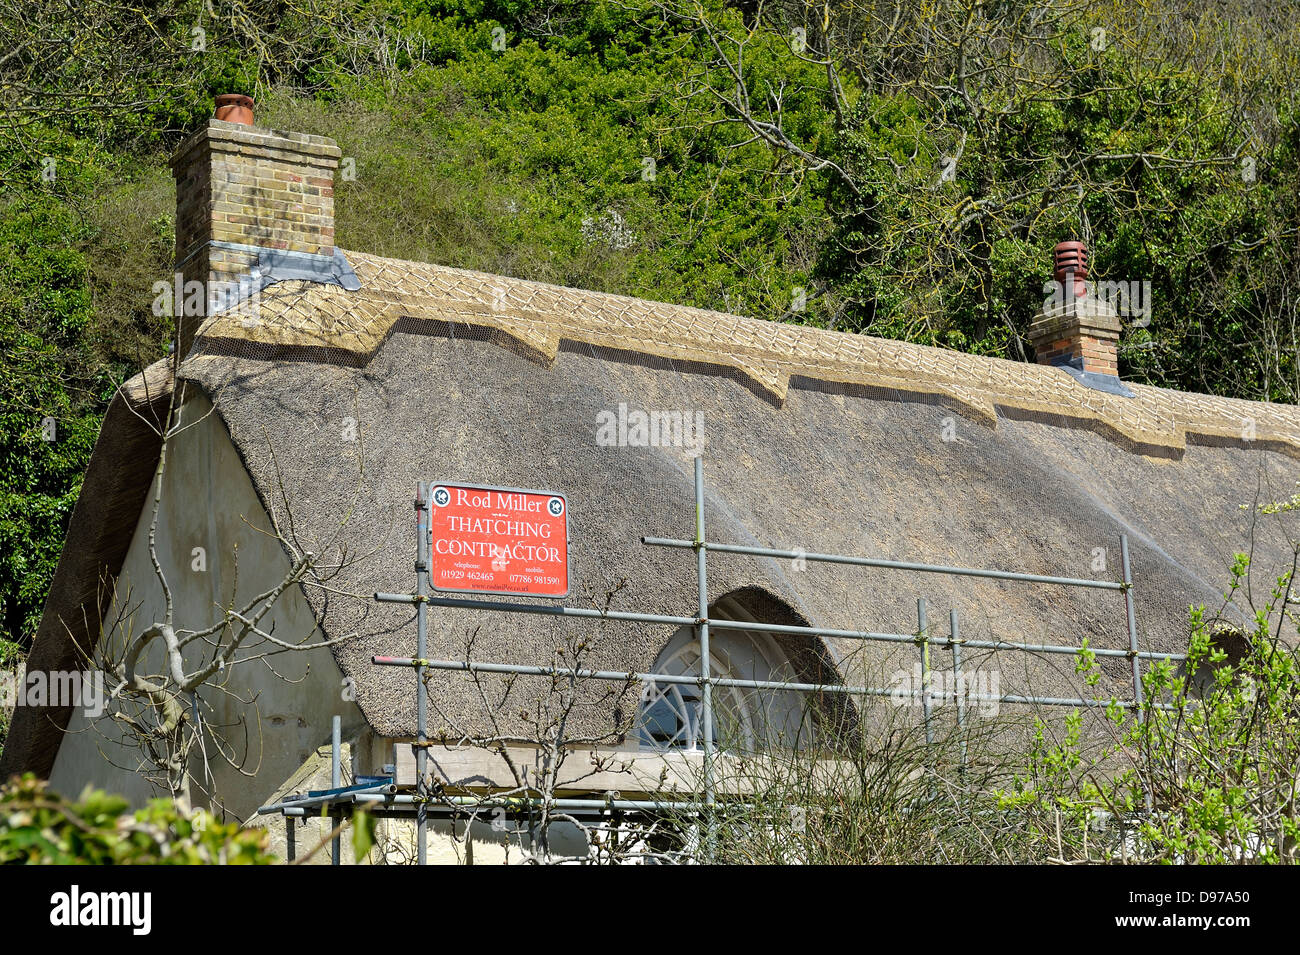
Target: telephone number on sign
<point>532,579</point>
<point>465,575</point>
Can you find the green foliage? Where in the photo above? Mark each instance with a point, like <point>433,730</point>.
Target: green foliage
<point>48,422</point>
<point>1213,750</point>
<point>363,833</point>
<point>38,826</point>
<point>11,661</point>
<point>1291,503</point>
<point>555,161</point>
<point>1139,148</point>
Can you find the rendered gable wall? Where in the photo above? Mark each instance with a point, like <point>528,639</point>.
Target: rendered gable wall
<point>209,502</point>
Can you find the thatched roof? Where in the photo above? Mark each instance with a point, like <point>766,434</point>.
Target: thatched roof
<point>813,439</point>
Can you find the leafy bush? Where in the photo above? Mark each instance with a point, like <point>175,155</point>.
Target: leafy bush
<point>1203,772</point>
<point>38,826</point>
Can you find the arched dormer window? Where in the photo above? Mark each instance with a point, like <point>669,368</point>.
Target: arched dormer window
<point>744,720</point>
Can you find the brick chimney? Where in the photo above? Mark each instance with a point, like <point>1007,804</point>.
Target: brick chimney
<point>243,192</point>
<point>1075,330</point>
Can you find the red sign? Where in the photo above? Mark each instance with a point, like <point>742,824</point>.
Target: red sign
<point>498,540</point>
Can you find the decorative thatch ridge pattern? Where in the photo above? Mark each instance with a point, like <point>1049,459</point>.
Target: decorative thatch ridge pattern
<point>327,322</point>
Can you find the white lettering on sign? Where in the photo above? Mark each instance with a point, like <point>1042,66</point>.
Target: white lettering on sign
<point>501,541</point>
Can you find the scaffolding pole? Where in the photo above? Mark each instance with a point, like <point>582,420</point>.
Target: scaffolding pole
<point>706,671</point>
<point>336,780</point>
<point>421,649</point>
<point>922,626</point>
<point>958,684</point>
<point>755,627</point>
<point>653,679</point>
<point>1138,695</point>
<point>887,564</point>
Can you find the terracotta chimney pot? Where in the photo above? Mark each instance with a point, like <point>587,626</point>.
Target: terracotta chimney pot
<point>235,108</point>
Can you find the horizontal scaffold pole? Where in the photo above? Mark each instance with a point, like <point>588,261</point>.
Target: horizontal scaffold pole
<point>888,564</point>
<point>626,676</point>
<point>461,603</point>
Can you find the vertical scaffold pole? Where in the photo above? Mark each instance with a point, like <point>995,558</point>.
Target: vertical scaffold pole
<point>958,684</point>
<point>1138,697</point>
<point>923,640</point>
<point>421,642</point>
<point>706,674</point>
<point>336,780</point>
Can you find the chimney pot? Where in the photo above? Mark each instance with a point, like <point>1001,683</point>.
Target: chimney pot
<point>1072,260</point>
<point>234,108</point>
<point>1075,329</point>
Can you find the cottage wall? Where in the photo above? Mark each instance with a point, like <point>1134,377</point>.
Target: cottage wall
<point>208,502</point>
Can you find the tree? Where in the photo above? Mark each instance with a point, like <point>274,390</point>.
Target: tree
<point>122,74</point>
<point>529,725</point>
